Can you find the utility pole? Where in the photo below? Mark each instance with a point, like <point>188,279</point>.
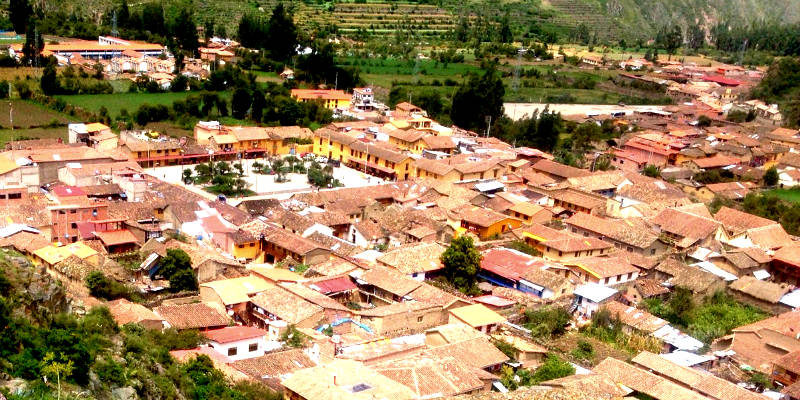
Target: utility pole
<point>489,127</point>
<point>336,83</point>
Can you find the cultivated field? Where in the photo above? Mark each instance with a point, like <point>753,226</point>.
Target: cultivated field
<point>117,101</point>
<point>7,135</point>
<point>28,115</point>
<point>790,195</point>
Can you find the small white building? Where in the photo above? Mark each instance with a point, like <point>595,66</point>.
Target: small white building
<point>590,297</point>
<point>240,342</point>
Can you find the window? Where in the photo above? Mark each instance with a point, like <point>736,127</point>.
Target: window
<point>419,319</point>
<point>73,211</point>
<point>252,347</point>
<point>73,225</point>
<point>320,141</point>
<point>652,252</point>
<point>560,254</point>
<point>252,245</point>
<point>232,351</point>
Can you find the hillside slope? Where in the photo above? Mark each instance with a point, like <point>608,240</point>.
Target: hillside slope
<point>608,19</point>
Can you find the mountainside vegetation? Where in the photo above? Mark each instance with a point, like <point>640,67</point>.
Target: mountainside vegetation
<point>605,19</point>
<point>46,352</point>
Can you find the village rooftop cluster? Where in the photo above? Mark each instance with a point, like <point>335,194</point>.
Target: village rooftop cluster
<point>354,269</point>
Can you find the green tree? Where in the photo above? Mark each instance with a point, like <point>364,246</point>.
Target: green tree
<point>282,34</point>
<point>462,263</point>
<point>670,39</point>
<point>19,12</point>
<point>506,36</point>
<point>478,99</point>
<point>240,103</point>
<point>49,81</point>
<point>771,177</point>
<point>184,30</point>
<point>124,15</point>
<point>681,305</point>
<point>57,368</point>
<point>176,267</point>
<point>293,337</point>
<point>552,368</point>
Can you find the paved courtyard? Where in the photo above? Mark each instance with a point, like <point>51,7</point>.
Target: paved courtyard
<point>265,184</point>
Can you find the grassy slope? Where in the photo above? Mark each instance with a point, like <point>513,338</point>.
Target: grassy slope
<point>790,195</point>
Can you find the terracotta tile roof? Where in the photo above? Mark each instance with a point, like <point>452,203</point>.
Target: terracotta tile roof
<point>604,267</point>
<point>700,381</point>
<point>238,290</point>
<point>397,309</point>
<point>689,227</point>
<point>230,334</point>
<point>476,352</point>
<point>334,266</point>
<point>432,377</point>
<point>380,150</point>
<point>649,287</point>
<point>370,229</point>
<point>339,247</point>
<point>407,135</point>
<point>192,316</point>
<point>767,291</point>
<point>717,161</point>
<point>457,332</point>
<point>789,255</point>
<point>793,390</point>
<point>338,379</point>
<point>418,257</point>
<point>770,237</point>
<point>586,200</point>
<point>274,366</point>
<point>313,296</point>
<point>588,383</point>
<point>694,279</point>
<point>479,216</point>
<point>125,312</point>
<point>112,238</point>
<point>632,231</point>
<point>433,295</point>
<point>635,318</point>
<point>597,181</point>
<point>435,142</point>
<point>559,170</point>
<point>290,241</point>
<point>736,222</point>
<point>564,241</point>
<point>645,382</point>
<point>389,280</point>
<point>285,305</point>
<point>477,315</point>
<point>785,324</point>
<point>334,285</point>
<point>790,362</point>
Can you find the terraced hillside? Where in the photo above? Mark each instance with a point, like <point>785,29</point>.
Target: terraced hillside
<point>609,19</point>
<point>382,19</point>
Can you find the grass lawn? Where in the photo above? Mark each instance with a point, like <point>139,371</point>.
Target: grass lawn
<point>266,76</point>
<point>116,102</point>
<point>790,195</point>
<point>7,135</point>
<point>28,114</point>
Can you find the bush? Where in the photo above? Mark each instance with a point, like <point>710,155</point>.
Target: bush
<point>547,321</point>
<point>552,368</point>
<point>103,287</point>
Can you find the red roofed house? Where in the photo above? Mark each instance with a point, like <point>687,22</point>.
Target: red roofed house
<point>111,232</point>
<point>516,270</point>
<point>785,266</point>
<point>239,342</point>
<point>787,369</point>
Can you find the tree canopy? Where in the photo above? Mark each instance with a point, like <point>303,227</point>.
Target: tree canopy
<point>462,262</point>
<point>478,98</point>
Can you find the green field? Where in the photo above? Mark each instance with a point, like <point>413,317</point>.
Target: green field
<point>27,114</point>
<point>116,102</point>
<point>790,195</point>
<point>7,135</point>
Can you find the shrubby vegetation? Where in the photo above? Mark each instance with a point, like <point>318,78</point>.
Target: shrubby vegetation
<point>715,317</point>
<point>462,262</point>
<point>547,321</point>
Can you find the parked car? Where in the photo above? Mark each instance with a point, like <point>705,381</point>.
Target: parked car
<point>322,160</point>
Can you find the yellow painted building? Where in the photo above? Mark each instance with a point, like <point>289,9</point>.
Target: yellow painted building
<point>278,140</point>
<point>331,99</point>
<point>373,158</point>
<point>51,255</point>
